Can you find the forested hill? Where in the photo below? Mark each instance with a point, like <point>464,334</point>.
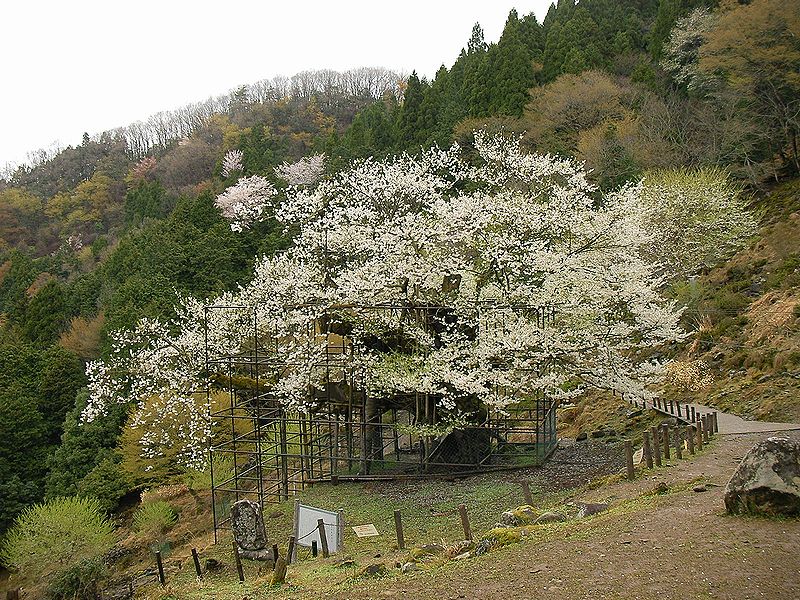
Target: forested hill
<point>98,236</point>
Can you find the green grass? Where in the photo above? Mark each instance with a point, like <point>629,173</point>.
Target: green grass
<point>430,515</point>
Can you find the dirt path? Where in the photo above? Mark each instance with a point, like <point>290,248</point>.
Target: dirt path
<point>683,547</point>
<point>731,424</point>
<point>728,423</point>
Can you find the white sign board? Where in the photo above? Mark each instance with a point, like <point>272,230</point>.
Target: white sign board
<point>306,530</point>
<point>365,530</point>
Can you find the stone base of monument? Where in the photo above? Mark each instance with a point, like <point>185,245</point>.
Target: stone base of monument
<point>264,554</point>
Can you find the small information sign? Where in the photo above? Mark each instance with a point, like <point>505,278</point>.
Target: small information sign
<point>306,528</point>
<point>365,530</point>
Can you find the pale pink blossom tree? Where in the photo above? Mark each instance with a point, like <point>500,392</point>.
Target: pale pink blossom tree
<point>245,202</point>
<point>306,171</point>
<point>232,163</point>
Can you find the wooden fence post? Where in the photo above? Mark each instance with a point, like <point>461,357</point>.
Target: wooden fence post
<point>12,594</point>
<point>398,529</point>
<point>275,554</point>
<point>678,443</point>
<point>706,436</point>
<point>694,416</point>
<point>196,560</point>
<point>462,510</point>
<point>690,438</point>
<point>314,550</point>
<point>629,459</point>
<point>667,441</point>
<point>238,560</point>
<point>526,492</point>
<point>290,551</point>
<point>648,454</point>
<point>323,538</point>
<point>654,431</point>
<point>699,433</point>
<point>160,566</point>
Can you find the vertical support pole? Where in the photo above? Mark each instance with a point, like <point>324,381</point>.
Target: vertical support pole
<point>629,459</point>
<point>335,459</point>
<point>160,566</point>
<point>323,538</point>
<point>706,436</point>
<point>196,560</point>
<point>678,407</point>
<point>648,454</point>
<point>398,528</point>
<point>340,530</point>
<point>462,510</point>
<point>314,550</point>
<point>694,416</point>
<point>290,550</point>
<point>395,435</point>
<point>284,456</point>
<point>654,432</point>
<point>526,492</point>
<point>665,435</point>
<point>213,489</point>
<point>296,530</point>
<point>275,554</point>
<point>690,438</point>
<point>238,560</point>
<point>257,416</point>
<point>363,442</point>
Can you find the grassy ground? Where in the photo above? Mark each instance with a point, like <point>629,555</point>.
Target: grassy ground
<point>430,515</point>
<point>659,538</point>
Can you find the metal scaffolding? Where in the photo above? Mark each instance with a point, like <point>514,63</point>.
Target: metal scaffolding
<point>267,453</point>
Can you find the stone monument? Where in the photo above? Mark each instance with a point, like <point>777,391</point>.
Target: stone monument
<point>247,524</point>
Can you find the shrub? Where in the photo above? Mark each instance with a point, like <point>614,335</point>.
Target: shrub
<point>197,480</point>
<point>154,519</point>
<point>78,582</point>
<point>57,534</point>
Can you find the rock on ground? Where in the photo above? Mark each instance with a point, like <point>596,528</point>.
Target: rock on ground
<point>550,517</point>
<point>767,481</point>
<point>589,509</point>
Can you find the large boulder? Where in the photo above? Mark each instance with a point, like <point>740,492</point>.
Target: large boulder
<point>767,481</point>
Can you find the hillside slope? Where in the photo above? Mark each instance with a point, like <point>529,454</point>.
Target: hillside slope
<point>747,316</point>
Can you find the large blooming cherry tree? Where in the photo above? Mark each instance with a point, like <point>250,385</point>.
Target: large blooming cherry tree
<point>492,241</point>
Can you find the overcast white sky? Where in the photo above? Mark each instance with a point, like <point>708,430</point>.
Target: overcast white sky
<point>70,66</point>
